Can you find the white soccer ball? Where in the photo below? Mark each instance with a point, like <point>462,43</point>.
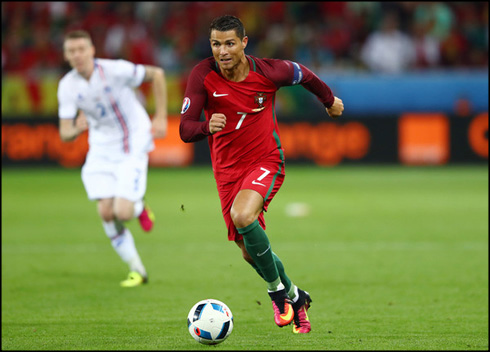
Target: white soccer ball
<point>210,321</point>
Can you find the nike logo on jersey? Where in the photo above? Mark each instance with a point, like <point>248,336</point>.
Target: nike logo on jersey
<point>218,95</point>
<point>261,254</point>
<point>257,183</point>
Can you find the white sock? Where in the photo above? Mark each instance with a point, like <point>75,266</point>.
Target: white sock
<point>123,243</point>
<point>138,208</point>
<point>112,228</point>
<point>136,264</point>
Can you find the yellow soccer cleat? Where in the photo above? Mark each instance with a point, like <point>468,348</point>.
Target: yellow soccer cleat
<point>134,279</point>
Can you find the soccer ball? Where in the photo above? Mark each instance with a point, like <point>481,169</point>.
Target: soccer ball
<point>210,321</point>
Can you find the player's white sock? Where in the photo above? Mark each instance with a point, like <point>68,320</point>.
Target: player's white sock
<point>123,243</point>
<point>138,208</point>
<point>136,264</point>
<point>112,228</point>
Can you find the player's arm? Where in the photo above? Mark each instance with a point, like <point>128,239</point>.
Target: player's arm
<point>71,128</point>
<point>287,73</point>
<point>156,75</point>
<point>191,128</point>
<point>333,105</point>
<point>72,120</point>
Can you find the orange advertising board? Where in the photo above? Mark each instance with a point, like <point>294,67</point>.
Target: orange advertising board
<point>423,138</point>
<point>38,142</point>
<point>478,134</point>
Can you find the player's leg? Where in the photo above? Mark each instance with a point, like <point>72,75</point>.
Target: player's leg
<point>280,267</point>
<point>267,181</point>
<point>131,176</point>
<point>245,211</point>
<point>123,243</point>
<point>126,210</point>
<point>129,203</point>
<point>255,192</point>
<point>100,181</point>
<point>301,299</point>
<point>244,214</point>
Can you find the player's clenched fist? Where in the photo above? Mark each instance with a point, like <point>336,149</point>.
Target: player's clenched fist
<point>216,123</point>
<point>81,123</point>
<point>336,109</point>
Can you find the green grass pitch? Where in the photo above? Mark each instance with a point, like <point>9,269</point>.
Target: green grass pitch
<point>395,258</point>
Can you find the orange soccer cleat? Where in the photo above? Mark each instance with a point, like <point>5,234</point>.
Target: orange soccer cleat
<point>283,310</point>
<point>301,322</point>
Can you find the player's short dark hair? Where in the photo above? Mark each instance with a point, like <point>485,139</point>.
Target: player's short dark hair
<point>228,23</point>
<point>77,34</point>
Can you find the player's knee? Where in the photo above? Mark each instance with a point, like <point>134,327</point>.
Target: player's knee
<point>123,213</point>
<point>123,209</point>
<point>106,213</point>
<point>242,218</point>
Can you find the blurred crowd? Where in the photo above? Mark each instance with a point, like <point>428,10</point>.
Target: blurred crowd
<point>386,37</point>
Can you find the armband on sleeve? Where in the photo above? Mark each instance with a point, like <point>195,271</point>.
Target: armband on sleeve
<point>297,74</point>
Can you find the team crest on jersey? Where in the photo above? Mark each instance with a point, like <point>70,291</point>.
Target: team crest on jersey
<point>260,99</point>
<point>185,105</point>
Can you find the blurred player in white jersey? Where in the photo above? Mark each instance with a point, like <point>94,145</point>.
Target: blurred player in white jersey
<point>98,95</point>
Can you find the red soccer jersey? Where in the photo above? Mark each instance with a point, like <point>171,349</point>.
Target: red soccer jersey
<point>251,133</point>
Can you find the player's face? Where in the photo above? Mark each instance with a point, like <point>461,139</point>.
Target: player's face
<point>79,53</point>
<point>228,49</point>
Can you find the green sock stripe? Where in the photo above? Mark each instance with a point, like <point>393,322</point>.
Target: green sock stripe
<point>290,287</point>
<point>291,292</point>
<point>272,286</point>
<point>282,273</point>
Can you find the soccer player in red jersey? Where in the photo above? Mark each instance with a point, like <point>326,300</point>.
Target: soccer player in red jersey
<point>237,93</point>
